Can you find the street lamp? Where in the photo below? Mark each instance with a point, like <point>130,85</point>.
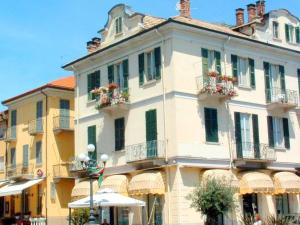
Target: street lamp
<point>93,170</point>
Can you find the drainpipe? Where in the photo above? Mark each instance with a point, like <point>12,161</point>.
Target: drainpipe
<point>46,128</point>
<point>164,118</point>
<point>76,108</point>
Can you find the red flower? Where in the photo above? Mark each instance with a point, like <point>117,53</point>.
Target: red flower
<point>112,86</point>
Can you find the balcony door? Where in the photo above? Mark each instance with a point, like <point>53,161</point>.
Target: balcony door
<point>64,117</point>
<point>39,116</point>
<point>151,133</point>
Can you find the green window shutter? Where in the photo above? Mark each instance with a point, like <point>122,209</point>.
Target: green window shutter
<point>125,73</point>
<point>25,155</point>
<point>256,136</point>
<point>211,124</point>
<point>90,86</point>
<point>38,152</point>
<point>282,78</point>
<point>286,133</point>
<point>218,62</point>
<point>270,131</point>
<point>234,64</point>
<point>297,34</point>
<point>13,156</point>
<point>298,74</point>
<point>204,53</point>
<point>252,72</point>
<point>151,133</point>
<point>287,33</point>
<point>92,140</point>
<point>39,109</point>
<point>157,56</point>
<point>141,68</point>
<point>97,77</point>
<point>13,121</point>
<point>119,134</point>
<point>267,81</point>
<point>110,71</point>
<point>238,134</point>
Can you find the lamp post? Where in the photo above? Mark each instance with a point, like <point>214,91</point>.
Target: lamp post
<point>90,165</point>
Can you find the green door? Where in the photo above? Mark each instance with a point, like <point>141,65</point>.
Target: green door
<point>151,133</point>
<point>64,117</point>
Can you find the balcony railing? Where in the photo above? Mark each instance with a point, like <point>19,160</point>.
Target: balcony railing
<point>248,151</point>
<point>285,99</point>
<point>112,98</point>
<point>150,150</point>
<point>63,123</point>
<point>20,170</point>
<point>62,170</point>
<point>35,127</point>
<point>217,87</point>
<point>11,134</point>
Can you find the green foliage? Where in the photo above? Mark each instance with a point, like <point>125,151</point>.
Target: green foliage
<point>248,220</point>
<point>80,216</point>
<point>213,197</point>
<point>279,220</point>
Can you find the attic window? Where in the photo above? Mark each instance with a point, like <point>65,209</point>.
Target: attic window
<point>118,23</point>
<point>275,29</point>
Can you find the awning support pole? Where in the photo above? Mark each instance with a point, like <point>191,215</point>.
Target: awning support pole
<point>70,216</point>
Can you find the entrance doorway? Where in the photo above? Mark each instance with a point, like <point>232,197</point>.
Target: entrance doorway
<point>250,205</point>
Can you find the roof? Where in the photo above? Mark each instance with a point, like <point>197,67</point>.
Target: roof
<point>65,83</point>
<point>151,21</point>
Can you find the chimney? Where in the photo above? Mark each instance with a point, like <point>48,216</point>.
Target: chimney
<point>97,41</point>
<point>251,12</point>
<point>240,19</point>
<point>185,8</point>
<point>91,46</point>
<point>261,8</point>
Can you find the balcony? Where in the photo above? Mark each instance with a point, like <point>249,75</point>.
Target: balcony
<point>112,99</point>
<point>279,99</point>
<point>11,134</point>
<point>63,171</point>
<point>25,171</point>
<point>63,124</point>
<point>147,151</point>
<point>252,152</point>
<point>35,127</point>
<point>215,87</point>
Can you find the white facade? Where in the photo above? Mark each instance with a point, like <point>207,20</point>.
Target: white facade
<point>180,113</point>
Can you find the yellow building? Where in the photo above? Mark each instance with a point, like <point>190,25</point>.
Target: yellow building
<point>40,144</point>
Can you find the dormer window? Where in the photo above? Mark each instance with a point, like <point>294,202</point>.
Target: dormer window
<point>275,30</point>
<point>119,25</point>
<point>298,35</point>
<point>289,33</point>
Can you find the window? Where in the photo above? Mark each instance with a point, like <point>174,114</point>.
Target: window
<point>93,81</point>
<point>250,205</point>
<point>289,33</point>
<point>38,153</point>
<point>123,215</point>
<point>211,61</point>
<point>151,133</point>
<point>39,199</point>
<point>211,125</point>
<point>243,72</point>
<point>297,29</point>
<point>275,29</point>
<point>278,129</point>
<point>64,114</point>
<point>2,163</point>
<point>13,157</point>
<point>119,134</point>
<point>154,206</point>
<point>298,74</point>
<point>150,65</point>
<point>2,130</point>
<point>243,69</point>
<point>118,23</point>
<point>282,204</point>
<point>13,124</point>
<point>92,140</point>
<point>119,74</point>
<point>39,115</point>
<point>25,156</point>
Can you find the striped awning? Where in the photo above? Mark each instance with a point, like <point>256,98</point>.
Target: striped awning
<point>286,182</point>
<point>118,183</point>
<point>256,182</point>
<point>147,183</point>
<point>225,175</point>
<point>82,189</point>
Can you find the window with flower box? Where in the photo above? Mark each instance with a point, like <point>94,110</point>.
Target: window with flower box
<point>93,82</point>
<point>211,61</point>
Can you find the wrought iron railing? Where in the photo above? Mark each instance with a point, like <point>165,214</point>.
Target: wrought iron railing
<point>18,170</point>
<point>145,151</point>
<point>277,95</point>
<point>253,151</point>
<point>111,97</point>
<point>63,123</point>
<point>62,170</point>
<point>11,133</point>
<point>223,86</point>
<point>36,126</point>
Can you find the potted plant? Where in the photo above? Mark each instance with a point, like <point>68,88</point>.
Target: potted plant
<point>212,73</point>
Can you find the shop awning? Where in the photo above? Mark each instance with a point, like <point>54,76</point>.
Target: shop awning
<point>107,198</point>
<point>147,183</point>
<point>2,183</point>
<point>225,175</point>
<point>17,187</point>
<point>82,189</point>
<point>286,182</point>
<point>118,183</point>
<point>256,182</point>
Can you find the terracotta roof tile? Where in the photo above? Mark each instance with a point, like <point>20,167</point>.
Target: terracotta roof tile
<point>151,21</point>
<point>67,82</point>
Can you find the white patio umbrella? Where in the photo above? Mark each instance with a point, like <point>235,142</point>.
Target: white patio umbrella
<point>107,198</point>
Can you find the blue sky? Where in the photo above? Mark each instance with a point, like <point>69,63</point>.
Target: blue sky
<point>38,37</point>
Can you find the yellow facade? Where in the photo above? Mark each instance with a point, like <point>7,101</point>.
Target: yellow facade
<point>55,131</point>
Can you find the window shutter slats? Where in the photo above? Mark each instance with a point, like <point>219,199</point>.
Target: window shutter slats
<point>157,56</point>
<point>270,131</point>
<point>97,79</point>
<point>287,33</point>
<point>234,64</point>
<point>25,155</point>
<point>110,71</point>
<point>256,136</point>
<point>298,74</point>
<point>297,34</point>
<point>211,125</point>
<point>151,125</point>
<point>286,133</point>
<point>252,73</point>
<point>204,53</point>
<point>92,140</point>
<point>125,73</point>
<point>267,81</point>
<point>238,134</point>
<point>141,68</point>
<point>218,62</point>
<point>282,78</point>
<point>119,134</point>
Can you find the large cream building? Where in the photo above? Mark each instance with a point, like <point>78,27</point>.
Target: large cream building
<point>193,99</point>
